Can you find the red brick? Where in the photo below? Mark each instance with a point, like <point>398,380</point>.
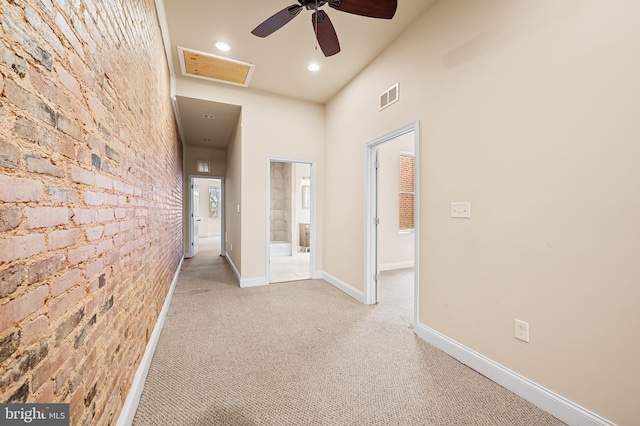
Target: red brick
<point>68,80</point>
<point>10,217</point>
<point>69,127</point>
<point>105,215</point>
<point>46,88</point>
<point>18,309</point>
<point>81,254</point>
<point>21,247</point>
<point>45,31</point>
<point>63,238</point>
<point>81,175</point>
<point>9,153</point>
<point>19,190</point>
<point>47,369</point>
<point>66,303</point>
<point>84,216</point>
<point>11,279</point>
<point>43,269</point>
<point>43,217</point>
<point>95,233</point>
<point>39,164</point>
<point>65,282</point>
<point>35,329</point>
<point>28,102</point>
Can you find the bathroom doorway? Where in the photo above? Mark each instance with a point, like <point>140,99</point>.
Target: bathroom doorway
<point>291,234</point>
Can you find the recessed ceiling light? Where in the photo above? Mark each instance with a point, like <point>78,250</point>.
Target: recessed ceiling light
<point>221,45</point>
<point>209,116</point>
<point>313,67</point>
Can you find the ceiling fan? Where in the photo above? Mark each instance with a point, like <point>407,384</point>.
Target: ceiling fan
<point>322,26</point>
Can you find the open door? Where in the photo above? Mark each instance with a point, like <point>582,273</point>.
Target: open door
<point>376,225</point>
<point>195,218</point>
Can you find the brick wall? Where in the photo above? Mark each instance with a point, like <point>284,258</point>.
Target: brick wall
<point>90,199</point>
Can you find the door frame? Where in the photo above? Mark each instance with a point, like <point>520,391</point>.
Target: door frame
<point>312,243</point>
<point>191,211</point>
<point>371,200</point>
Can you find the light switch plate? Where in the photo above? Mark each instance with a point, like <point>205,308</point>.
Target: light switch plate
<point>461,209</point>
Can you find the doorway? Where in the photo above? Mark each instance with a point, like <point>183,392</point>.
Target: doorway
<point>206,215</point>
<point>290,220</point>
<point>392,220</point>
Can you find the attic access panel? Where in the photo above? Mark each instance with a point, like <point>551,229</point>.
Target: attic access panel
<point>214,68</point>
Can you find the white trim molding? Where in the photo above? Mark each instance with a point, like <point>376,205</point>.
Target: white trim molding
<point>253,282</point>
<point>341,285</point>
<point>133,397</point>
<point>554,404</point>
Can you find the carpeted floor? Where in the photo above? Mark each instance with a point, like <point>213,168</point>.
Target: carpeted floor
<point>304,353</point>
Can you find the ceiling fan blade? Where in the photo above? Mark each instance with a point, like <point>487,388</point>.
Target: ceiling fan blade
<point>325,33</point>
<point>277,21</point>
<point>383,9</point>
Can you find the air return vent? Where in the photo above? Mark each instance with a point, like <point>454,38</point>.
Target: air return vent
<point>390,96</point>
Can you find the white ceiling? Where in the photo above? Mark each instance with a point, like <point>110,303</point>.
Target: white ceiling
<point>280,59</point>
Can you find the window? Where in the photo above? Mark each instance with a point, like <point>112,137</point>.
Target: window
<point>203,166</point>
<point>407,191</point>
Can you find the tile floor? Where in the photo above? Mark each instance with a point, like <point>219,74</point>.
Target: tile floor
<point>290,268</point>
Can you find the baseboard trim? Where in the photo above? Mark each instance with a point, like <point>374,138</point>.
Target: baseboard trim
<point>253,282</point>
<point>317,275</point>
<point>133,397</point>
<point>397,265</point>
<point>341,285</point>
<point>552,403</point>
<point>233,267</point>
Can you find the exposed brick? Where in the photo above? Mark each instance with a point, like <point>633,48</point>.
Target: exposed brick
<point>66,30</point>
<point>46,370</point>
<point>39,164</point>
<point>10,217</point>
<point>12,61</point>
<point>94,268</point>
<point>68,80</point>
<point>111,229</point>
<point>95,161</point>
<point>66,302</point>
<point>112,154</point>
<point>43,217</point>
<point>43,269</point>
<point>94,233</point>
<point>58,194</point>
<point>84,216</point>
<point>20,247</point>
<point>103,181</point>
<point>19,190</point>
<point>93,198</point>
<point>48,6</point>
<point>81,254</point>
<point>31,358</point>
<point>63,238</point>
<point>44,29</point>
<point>27,42</point>
<point>81,175</point>
<point>85,331</point>
<point>69,127</point>
<point>20,395</point>
<point>9,345</point>
<point>10,279</point>
<point>28,102</point>
<point>35,329</point>
<point>68,325</point>
<point>104,246</point>
<point>65,282</point>
<point>105,215</point>
<point>107,305</point>
<point>45,87</point>
<point>18,309</point>
<point>9,153</point>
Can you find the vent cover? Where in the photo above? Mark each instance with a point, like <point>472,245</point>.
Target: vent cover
<point>390,96</point>
<point>215,68</point>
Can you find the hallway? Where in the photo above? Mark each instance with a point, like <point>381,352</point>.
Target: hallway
<point>306,353</point>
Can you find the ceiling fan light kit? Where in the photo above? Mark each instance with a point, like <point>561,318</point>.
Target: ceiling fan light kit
<point>322,26</point>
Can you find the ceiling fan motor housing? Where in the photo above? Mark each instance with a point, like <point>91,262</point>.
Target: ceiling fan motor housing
<point>312,4</point>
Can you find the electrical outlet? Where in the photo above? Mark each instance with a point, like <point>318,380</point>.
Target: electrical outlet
<point>461,209</point>
<point>522,330</point>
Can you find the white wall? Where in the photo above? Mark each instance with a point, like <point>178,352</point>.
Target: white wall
<point>395,248</point>
<point>272,126</point>
<point>529,110</point>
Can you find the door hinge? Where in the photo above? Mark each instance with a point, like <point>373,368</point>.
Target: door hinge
<point>376,164</point>
<point>376,221</point>
<point>376,277</point>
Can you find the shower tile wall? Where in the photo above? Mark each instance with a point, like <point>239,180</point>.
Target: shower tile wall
<point>281,202</point>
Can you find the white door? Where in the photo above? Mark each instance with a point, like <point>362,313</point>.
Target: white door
<point>195,219</point>
<point>376,223</point>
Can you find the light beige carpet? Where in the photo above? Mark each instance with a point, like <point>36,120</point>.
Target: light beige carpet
<point>304,353</point>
